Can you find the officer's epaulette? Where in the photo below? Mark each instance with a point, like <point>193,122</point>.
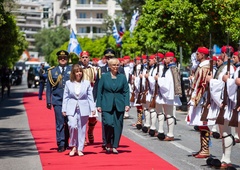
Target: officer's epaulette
<point>51,68</point>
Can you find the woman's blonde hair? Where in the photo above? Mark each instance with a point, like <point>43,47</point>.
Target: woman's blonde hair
<point>113,61</point>
<point>75,68</point>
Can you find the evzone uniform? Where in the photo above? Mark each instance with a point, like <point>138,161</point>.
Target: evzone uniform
<point>135,92</point>
<point>217,86</point>
<point>128,69</point>
<point>90,73</point>
<point>168,98</point>
<point>148,90</point>
<point>150,95</point>
<point>196,102</point>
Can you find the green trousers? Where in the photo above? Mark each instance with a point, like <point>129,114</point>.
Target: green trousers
<point>112,126</point>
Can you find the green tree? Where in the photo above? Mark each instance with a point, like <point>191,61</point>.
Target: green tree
<point>165,25</point>
<point>12,41</point>
<point>95,47</point>
<point>49,39</point>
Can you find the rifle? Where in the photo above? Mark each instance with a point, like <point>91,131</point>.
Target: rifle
<point>220,118</point>
<point>234,119</point>
<point>132,99</point>
<point>208,102</point>
<point>153,101</point>
<point>140,92</point>
<point>146,85</point>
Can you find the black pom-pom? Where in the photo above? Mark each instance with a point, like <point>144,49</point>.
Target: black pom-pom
<point>216,163</point>
<point>209,161</point>
<point>161,136</point>
<point>216,135</point>
<point>151,132</point>
<point>196,128</point>
<point>139,126</point>
<point>144,129</point>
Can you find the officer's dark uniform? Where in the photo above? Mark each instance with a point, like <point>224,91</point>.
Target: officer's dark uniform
<point>41,81</point>
<point>54,92</point>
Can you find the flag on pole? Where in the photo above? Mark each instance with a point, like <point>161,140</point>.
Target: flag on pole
<point>122,28</point>
<point>116,34</point>
<point>134,21</point>
<point>216,49</point>
<point>74,46</point>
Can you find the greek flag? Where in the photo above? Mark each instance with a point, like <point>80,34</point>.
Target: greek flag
<point>134,20</point>
<point>216,49</point>
<point>122,28</point>
<point>74,46</point>
<point>116,34</point>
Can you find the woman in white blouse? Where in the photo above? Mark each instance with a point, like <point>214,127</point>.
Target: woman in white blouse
<point>77,104</point>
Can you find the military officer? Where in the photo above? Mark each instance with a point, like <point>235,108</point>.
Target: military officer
<point>57,77</point>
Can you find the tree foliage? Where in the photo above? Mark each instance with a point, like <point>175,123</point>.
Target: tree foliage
<point>96,49</point>
<point>12,41</point>
<point>49,39</point>
<point>165,25</point>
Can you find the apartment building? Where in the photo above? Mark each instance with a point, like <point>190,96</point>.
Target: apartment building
<point>85,17</point>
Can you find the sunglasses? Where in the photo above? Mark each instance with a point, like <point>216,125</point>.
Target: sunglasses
<point>62,58</point>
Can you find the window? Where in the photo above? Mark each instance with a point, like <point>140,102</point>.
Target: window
<point>82,1</point>
<point>97,30</point>
<point>82,15</point>
<point>82,30</point>
<point>99,15</point>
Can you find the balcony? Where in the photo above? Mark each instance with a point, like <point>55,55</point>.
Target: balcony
<point>90,21</point>
<point>91,7</point>
<point>91,35</point>
<point>29,25</point>
<point>30,39</point>
<point>34,18</point>
<point>30,32</point>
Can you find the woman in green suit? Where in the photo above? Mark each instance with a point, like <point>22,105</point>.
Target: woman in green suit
<point>113,101</point>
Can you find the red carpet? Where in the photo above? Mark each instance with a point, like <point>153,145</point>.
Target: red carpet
<point>42,125</point>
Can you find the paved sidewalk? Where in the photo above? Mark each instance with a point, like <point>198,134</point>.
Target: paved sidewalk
<point>17,147</point>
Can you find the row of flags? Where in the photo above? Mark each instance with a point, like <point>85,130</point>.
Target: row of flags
<point>74,46</point>
<point>119,34</point>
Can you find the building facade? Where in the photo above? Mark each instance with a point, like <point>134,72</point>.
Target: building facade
<point>86,17</point>
<point>32,16</point>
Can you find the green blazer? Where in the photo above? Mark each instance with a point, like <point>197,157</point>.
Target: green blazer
<point>113,91</point>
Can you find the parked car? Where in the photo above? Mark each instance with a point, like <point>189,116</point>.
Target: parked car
<point>33,76</point>
<point>185,78</point>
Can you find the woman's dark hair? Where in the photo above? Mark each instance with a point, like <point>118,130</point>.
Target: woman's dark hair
<point>75,68</point>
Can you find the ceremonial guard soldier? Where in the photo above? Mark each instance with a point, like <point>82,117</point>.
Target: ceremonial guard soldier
<point>168,97</point>
<point>128,69</point>
<point>197,100</point>
<point>147,92</point>
<point>236,63</point>
<point>89,73</point>
<point>135,99</point>
<point>223,94</point>
<point>57,77</point>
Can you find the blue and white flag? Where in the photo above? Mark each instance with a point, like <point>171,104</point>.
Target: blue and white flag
<point>122,28</point>
<point>74,46</point>
<point>134,21</point>
<point>216,49</point>
<point>116,34</point>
